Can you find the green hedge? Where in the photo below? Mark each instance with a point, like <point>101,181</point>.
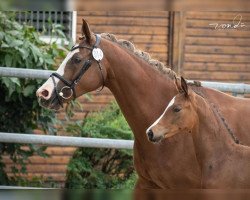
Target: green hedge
<point>102,168</point>
<point>20,46</point>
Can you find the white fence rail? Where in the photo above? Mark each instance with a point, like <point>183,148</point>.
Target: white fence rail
<point>239,88</point>
<point>25,73</point>
<point>50,140</point>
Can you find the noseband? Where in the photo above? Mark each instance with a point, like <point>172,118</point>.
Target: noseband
<point>97,55</point>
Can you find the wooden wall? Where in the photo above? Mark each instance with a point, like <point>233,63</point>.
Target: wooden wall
<point>214,54</point>
<point>48,171</point>
<point>182,39</point>
<point>120,5</point>
<point>147,30</point>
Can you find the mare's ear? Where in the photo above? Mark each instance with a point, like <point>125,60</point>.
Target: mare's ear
<point>184,86</point>
<point>178,85</point>
<point>86,31</point>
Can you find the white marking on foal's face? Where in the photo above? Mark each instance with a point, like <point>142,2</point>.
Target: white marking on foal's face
<point>156,122</point>
<point>48,85</point>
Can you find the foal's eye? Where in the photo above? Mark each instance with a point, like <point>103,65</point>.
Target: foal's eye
<point>177,109</point>
<point>77,60</point>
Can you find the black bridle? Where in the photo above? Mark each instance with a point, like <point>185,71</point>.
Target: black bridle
<point>97,55</point>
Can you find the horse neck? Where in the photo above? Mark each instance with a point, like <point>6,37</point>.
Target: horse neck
<point>141,91</point>
<point>210,136</point>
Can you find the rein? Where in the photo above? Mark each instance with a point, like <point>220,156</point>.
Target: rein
<point>222,119</point>
<point>97,55</point>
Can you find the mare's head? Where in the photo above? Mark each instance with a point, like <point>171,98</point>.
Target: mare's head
<point>180,115</point>
<point>81,71</point>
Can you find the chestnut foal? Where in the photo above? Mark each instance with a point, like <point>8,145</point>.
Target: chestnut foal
<point>223,162</point>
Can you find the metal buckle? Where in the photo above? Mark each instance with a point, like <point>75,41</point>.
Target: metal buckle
<point>61,93</point>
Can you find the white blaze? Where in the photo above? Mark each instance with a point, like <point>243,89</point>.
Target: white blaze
<point>156,122</point>
<point>60,70</point>
<point>48,85</point>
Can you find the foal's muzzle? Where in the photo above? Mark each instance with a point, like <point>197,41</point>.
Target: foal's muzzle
<point>152,137</point>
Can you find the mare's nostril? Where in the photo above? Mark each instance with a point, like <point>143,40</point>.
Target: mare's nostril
<point>150,134</point>
<point>45,93</point>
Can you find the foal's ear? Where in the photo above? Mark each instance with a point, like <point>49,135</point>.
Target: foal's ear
<point>184,86</point>
<point>178,85</point>
<point>86,31</point>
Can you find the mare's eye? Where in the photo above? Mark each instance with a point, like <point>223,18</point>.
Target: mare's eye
<point>77,60</point>
<point>177,109</point>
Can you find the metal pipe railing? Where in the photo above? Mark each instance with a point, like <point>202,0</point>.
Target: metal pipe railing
<point>25,73</point>
<point>240,88</point>
<point>50,140</point>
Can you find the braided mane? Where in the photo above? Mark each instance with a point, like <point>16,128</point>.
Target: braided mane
<point>143,55</point>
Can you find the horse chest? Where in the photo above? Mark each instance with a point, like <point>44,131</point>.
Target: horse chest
<point>168,169</point>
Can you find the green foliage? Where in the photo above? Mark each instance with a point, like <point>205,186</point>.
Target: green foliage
<point>20,46</point>
<point>101,168</point>
<point>128,183</point>
<point>36,181</point>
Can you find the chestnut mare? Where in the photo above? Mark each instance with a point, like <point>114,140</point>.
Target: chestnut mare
<point>223,162</point>
<point>142,92</point>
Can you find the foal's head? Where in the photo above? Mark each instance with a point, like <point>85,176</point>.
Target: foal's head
<point>179,116</point>
<point>81,71</point>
